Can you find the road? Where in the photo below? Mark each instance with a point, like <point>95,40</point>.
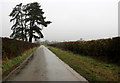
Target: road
<point>45,66</point>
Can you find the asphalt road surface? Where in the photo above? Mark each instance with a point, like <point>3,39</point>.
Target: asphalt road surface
<point>45,66</point>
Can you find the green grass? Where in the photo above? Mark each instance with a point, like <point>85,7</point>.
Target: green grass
<point>91,69</point>
<point>7,65</point>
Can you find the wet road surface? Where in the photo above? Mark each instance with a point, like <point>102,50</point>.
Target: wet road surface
<point>45,66</point>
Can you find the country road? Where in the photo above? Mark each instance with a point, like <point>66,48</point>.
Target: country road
<point>45,66</point>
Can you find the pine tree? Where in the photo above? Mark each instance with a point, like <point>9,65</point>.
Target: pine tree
<point>29,21</point>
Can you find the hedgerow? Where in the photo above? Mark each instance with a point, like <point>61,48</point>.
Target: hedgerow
<point>12,48</point>
<point>108,49</point>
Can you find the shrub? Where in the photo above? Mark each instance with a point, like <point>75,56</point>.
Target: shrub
<point>12,48</point>
<point>102,48</point>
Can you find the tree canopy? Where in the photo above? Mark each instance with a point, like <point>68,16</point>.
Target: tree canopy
<point>28,21</point>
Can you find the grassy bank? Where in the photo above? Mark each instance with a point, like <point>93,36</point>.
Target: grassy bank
<point>11,64</point>
<point>91,69</point>
<point>14,52</point>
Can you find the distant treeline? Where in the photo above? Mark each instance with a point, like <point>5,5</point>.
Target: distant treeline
<point>103,49</point>
<point>12,48</point>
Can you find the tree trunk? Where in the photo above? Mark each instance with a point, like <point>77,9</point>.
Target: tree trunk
<point>30,39</point>
<point>26,37</point>
<point>25,29</point>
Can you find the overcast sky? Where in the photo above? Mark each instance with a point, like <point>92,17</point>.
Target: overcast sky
<point>71,19</point>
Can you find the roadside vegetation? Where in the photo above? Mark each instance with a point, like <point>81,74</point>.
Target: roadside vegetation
<point>92,69</point>
<point>12,48</point>
<point>97,60</point>
<point>14,52</point>
<point>107,50</point>
<point>11,64</point>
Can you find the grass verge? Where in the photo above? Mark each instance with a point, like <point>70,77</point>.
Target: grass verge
<point>91,69</point>
<point>11,64</point>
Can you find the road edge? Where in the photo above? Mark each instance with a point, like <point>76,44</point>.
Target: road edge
<point>17,69</point>
<point>77,75</point>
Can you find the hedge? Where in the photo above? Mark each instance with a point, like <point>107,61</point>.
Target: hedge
<point>12,48</point>
<point>102,48</point>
